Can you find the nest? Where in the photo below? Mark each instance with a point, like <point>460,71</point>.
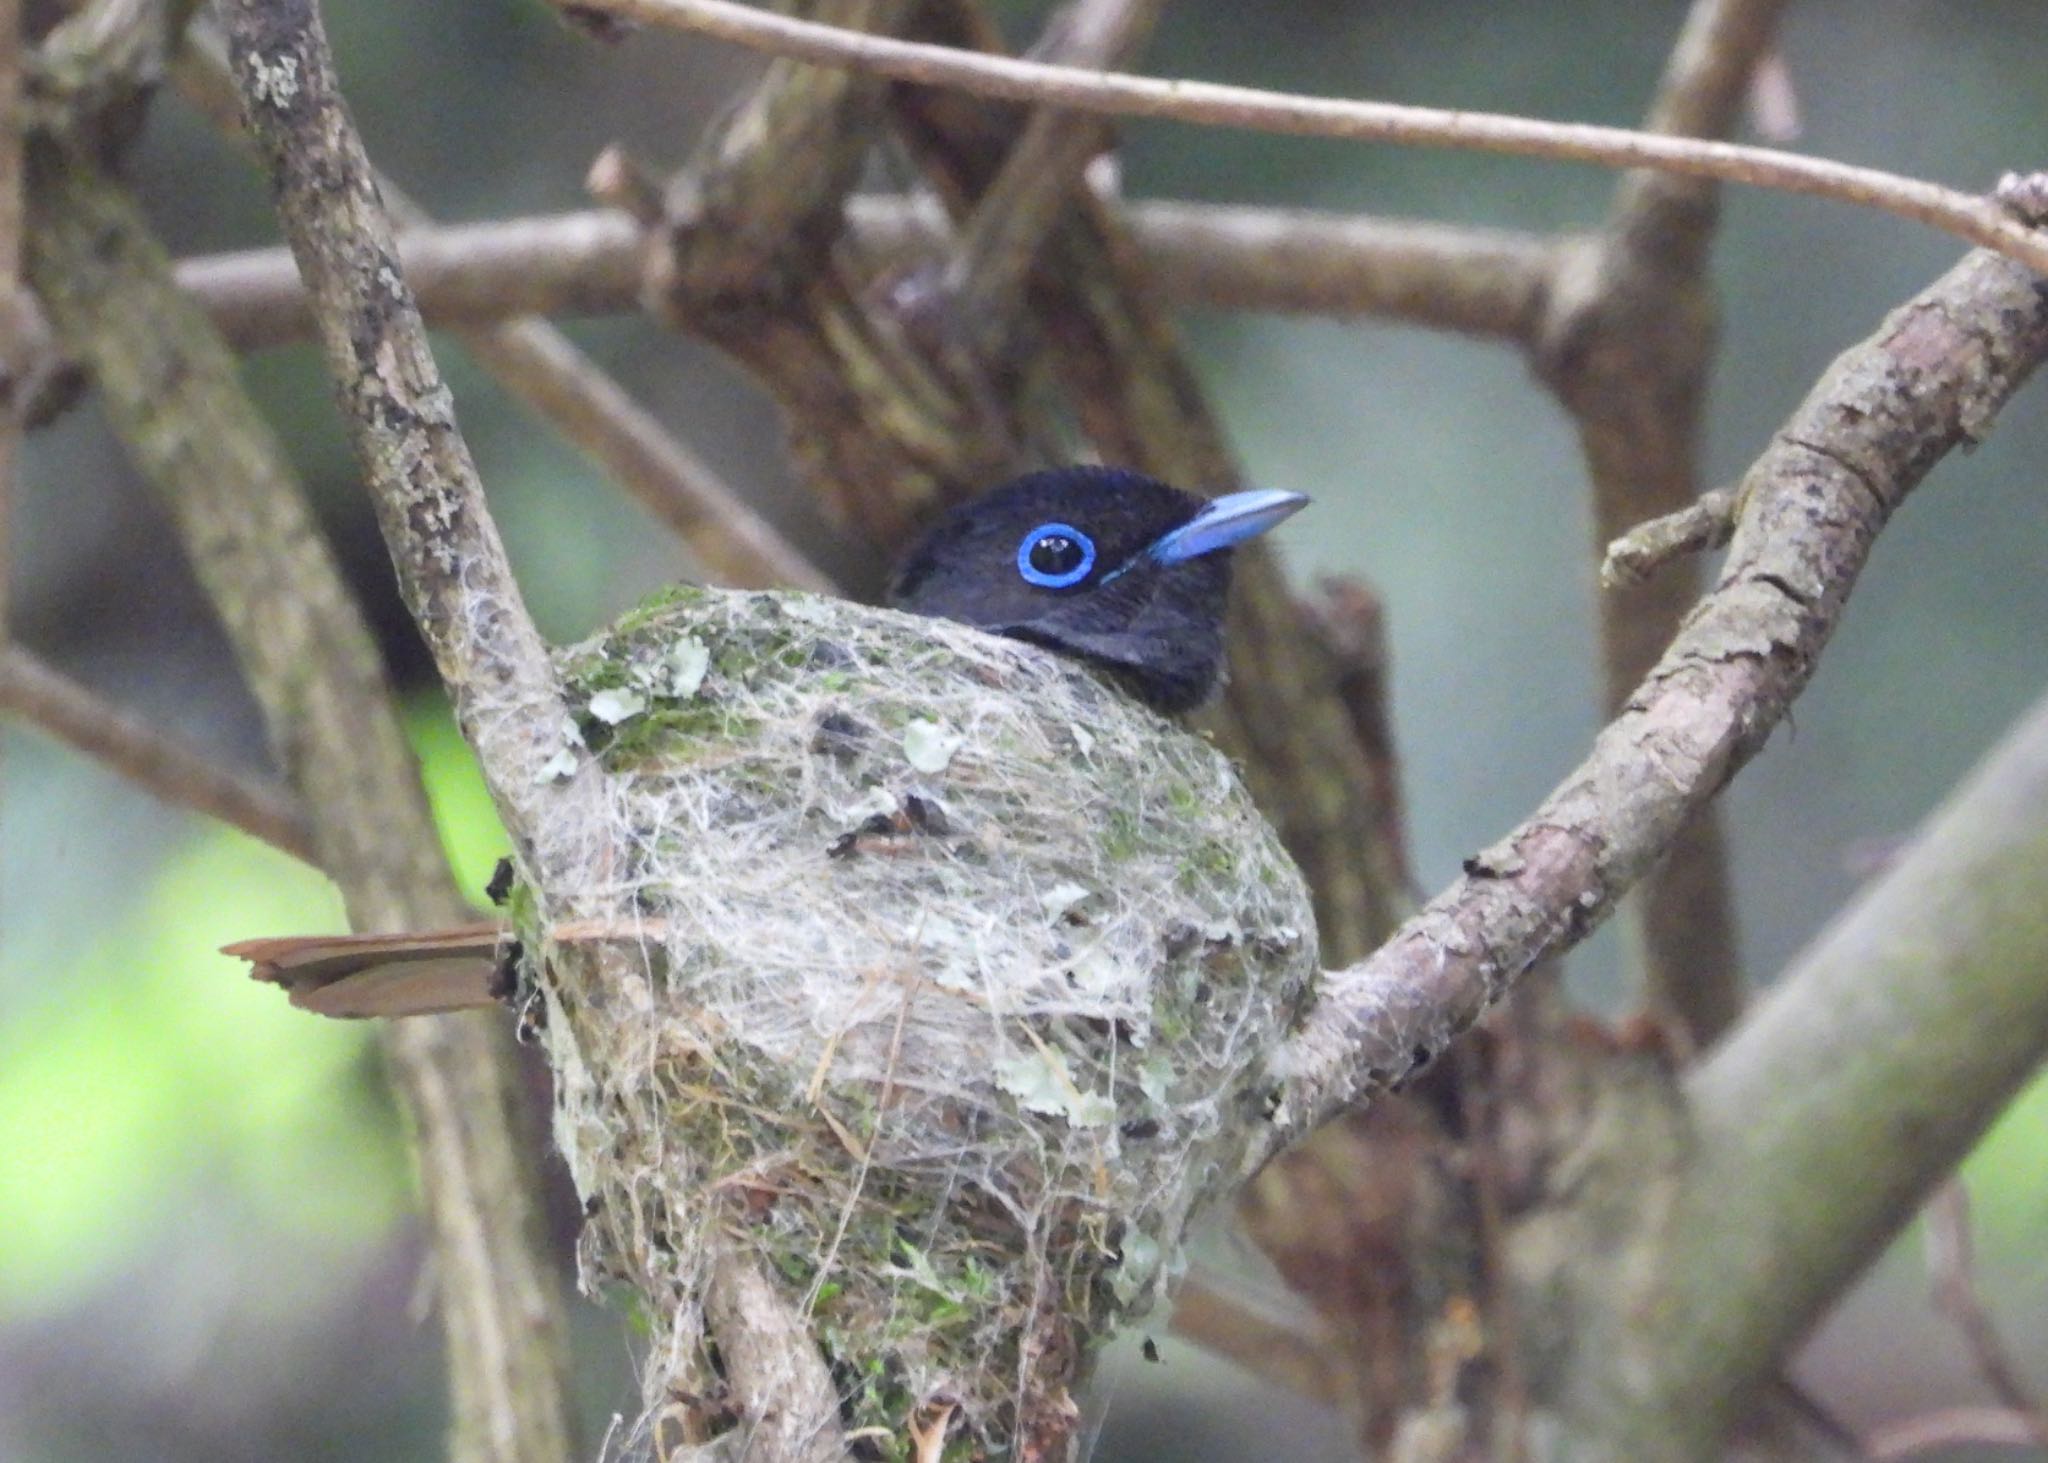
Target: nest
<point>949,978</point>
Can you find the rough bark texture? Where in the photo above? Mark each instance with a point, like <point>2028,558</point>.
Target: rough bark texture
<point>452,568</point>
<point>1819,1125</point>
<point>170,389</point>
<point>1932,378</point>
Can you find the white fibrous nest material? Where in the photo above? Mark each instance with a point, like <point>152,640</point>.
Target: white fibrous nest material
<point>950,979</point>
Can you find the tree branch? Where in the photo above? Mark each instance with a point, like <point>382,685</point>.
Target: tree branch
<point>1627,344</point>
<point>166,768</point>
<point>170,389</point>
<point>1932,377</point>
<point>452,568</point>
<point>1479,282</point>
<point>1964,215</point>
<point>1701,94</point>
<point>569,264</point>
<point>1951,1428</point>
<point>1874,1064</point>
<point>1276,1353</point>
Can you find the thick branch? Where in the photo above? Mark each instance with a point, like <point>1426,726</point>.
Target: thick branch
<point>164,767</point>
<point>170,389</point>
<point>1116,94</point>
<point>1869,1071</point>
<point>1480,282</point>
<point>451,565</point>
<point>1933,377</point>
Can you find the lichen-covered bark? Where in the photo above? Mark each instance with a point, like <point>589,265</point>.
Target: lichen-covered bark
<point>170,389</point>
<point>452,568</point>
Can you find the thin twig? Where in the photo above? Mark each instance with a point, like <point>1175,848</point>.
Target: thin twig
<point>1952,1273</point>
<point>1952,1427</point>
<point>452,568</point>
<point>1209,103</point>
<point>165,767</point>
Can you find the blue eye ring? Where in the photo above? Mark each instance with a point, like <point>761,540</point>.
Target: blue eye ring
<point>1055,578</point>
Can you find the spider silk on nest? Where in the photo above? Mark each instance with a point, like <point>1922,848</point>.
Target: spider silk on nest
<point>946,981</point>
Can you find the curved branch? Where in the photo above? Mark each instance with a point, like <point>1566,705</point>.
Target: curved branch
<point>1210,103</point>
<point>1933,377</point>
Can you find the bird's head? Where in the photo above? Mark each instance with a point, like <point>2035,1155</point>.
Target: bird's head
<point>1108,565</point>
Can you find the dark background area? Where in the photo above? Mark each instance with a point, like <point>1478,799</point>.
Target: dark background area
<point>205,1248</point>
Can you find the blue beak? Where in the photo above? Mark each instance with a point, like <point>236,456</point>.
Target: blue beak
<point>1228,520</point>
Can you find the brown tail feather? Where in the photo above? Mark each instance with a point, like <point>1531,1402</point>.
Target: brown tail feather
<point>405,975</point>
<point>380,975</point>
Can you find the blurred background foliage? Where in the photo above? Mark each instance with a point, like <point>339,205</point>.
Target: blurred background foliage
<point>205,1242</point>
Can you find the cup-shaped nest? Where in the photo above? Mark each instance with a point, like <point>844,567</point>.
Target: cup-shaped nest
<point>941,990</point>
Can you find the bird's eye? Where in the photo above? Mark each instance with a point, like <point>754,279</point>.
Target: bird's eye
<point>1055,555</point>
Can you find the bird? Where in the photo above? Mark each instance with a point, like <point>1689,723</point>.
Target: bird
<point>1099,563</point>
<point>1103,565</point>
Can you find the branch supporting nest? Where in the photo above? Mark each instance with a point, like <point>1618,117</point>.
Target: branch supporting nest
<point>452,567</point>
<point>1933,377</point>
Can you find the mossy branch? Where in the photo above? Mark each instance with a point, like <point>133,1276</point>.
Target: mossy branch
<point>169,386</point>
